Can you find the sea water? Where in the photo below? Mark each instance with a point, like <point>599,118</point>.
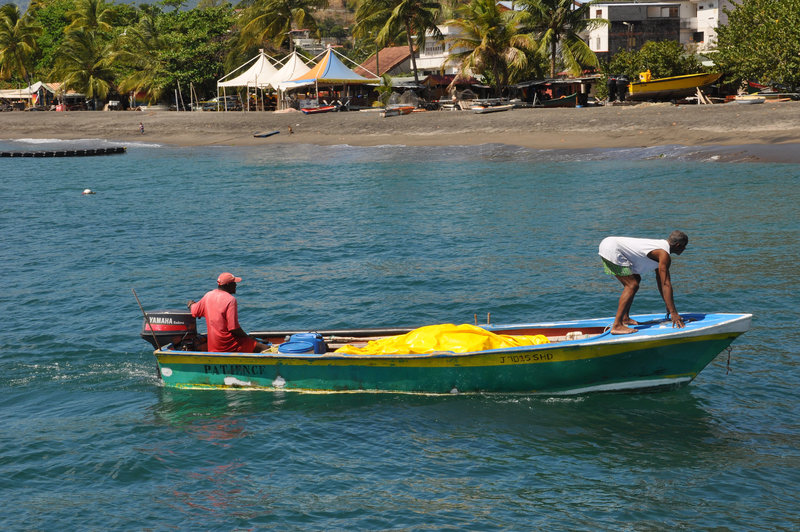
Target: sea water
<point>344,236</point>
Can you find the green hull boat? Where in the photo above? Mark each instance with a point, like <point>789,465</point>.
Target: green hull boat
<point>581,357</point>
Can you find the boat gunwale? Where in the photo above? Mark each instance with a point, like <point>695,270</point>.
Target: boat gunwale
<point>604,339</point>
<point>656,81</point>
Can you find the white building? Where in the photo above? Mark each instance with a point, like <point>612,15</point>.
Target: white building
<point>693,23</point>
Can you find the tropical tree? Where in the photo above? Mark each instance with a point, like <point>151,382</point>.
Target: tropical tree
<point>761,42</point>
<point>91,15</point>
<point>558,25</point>
<point>273,20</point>
<point>140,52</point>
<point>17,43</point>
<point>51,16</point>
<point>414,18</point>
<point>488,43</point>
<point>83,66</point>
<point>662,58</point>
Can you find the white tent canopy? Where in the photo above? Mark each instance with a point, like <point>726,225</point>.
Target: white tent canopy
<point>258,75</point>
<point>293,67</point>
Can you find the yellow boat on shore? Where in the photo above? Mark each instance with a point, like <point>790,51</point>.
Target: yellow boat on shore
<point>669,88</point>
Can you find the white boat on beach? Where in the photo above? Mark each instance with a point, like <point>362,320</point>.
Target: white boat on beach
<point>749,99</point>
<point>483,109</point>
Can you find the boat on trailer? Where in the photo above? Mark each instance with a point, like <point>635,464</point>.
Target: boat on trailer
<point>578,357</point>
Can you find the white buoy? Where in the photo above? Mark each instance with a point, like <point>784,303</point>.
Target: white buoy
<point>87,191</point>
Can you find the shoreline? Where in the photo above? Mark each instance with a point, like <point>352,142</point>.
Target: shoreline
<point>771,131</point>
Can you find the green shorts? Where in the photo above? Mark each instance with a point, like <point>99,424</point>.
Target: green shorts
<point>615,269</point>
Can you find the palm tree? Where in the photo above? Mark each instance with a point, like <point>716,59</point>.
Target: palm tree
<point>273,20</point>
<point>393,18</point>
<point>90,15</point>
<point>489,43</point>
<point>558,25</point>
<point>17,43</point>
<point>139,49</point>
<point>83,66</point>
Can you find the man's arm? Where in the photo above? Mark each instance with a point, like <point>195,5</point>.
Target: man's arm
<point>238,332</point>
<point>665,284</point>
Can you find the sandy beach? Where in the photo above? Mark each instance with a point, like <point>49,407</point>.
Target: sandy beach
<point>771,130</point>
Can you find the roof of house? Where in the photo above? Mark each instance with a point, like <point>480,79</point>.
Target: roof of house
<point>388,58</point>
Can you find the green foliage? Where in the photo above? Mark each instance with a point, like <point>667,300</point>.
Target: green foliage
<point>388,20</point>
<point>17,43</point>
<point>81,64</point>
<point>270,21</point>
<point>761,42</point>
<point>384,90</point>
<point>52,18</point>
<point>558,25</point>
<point>663,58</point>
<point>491,45</point>
<point>195,44</point>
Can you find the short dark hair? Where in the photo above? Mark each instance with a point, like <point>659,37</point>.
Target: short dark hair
<point>677,237</point>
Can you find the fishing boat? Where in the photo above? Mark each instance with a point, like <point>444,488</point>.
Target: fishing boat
<point>567,357</point>
<point>489,108</point>
<point>318,110</point>
<point>669,88</point>
<point>397,111</point>
<point>570,100</point>
<point>749,99</point>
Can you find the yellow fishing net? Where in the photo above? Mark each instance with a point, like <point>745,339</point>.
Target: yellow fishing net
<point>446,337</point>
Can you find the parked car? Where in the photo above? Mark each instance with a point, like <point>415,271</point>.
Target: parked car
<point>229,103</point>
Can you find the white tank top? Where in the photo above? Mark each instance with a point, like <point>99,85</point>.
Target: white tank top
<point>632,252</point>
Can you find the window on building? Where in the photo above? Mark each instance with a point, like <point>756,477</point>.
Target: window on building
<point>598,13</point>
<point>662,12</point>
<point>434,48</point>
<point>698,36</point>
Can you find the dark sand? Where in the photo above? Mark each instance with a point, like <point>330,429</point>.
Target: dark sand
<point>771,131</point>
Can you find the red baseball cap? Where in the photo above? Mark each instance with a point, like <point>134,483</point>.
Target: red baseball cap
<point>225,278</point>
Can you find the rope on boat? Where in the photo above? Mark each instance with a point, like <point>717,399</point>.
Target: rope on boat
<point>728,368</point>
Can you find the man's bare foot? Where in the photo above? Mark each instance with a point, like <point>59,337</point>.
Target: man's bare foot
<point>622,330</point>
<point>630,322</point>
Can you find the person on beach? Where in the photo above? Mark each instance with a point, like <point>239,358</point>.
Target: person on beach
<point>627,258</point>
<point>141,128</point>
<point>220,310</point>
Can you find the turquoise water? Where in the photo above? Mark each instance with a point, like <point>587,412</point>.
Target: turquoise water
<point>353,237</point>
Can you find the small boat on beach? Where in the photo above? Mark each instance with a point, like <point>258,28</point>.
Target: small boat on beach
<point>397,111</point>
<point>565,357</point>
<point>570,100</point>
<point>488,108</point>
<point>266,134</point>
<point>749,99</point>
<point>668,88</point>
<point>318,110</point>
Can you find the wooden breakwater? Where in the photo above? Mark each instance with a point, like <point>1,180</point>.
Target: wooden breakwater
<point>88,152</point>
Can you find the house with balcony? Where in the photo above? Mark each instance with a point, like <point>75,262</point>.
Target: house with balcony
<point>693,23</point>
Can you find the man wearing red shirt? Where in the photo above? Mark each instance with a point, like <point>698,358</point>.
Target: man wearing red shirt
<point>220,310</point>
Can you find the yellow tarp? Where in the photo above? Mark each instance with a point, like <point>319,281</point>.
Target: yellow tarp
<point>446,337</point>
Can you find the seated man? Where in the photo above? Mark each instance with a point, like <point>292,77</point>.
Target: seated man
<point>220,310</point>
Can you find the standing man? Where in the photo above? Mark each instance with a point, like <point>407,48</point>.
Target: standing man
<point>220,310</point>
<point>627,258</point>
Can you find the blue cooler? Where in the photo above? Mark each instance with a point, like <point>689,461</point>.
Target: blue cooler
<point>320,347</point>
<point>296,348</point>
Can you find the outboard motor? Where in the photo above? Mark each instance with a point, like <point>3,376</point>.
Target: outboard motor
<point>611,86</point>
<point>177,327</point>
<point>622,87</point>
